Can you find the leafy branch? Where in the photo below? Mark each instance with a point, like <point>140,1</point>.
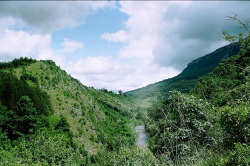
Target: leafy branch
<point>240,36</point>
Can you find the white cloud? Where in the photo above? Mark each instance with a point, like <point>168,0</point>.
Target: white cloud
<point>94,65</point>
<point>15,44</point>
<point>159,38</point>
<point>143,29</point>
<point>70,46</point>
<point>110,73</point>
<point>20,43</point>
<point>143,32</point>
<point>194,30</point>
<point>101,4</point>
<point>119,36</point>
<point>172,34</point>
<point>163,37</point>
<point>46,17</point>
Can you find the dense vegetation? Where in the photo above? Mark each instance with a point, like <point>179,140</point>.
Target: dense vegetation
<point>48,117</point>
<point>12,89</point>
<point>17,62</point>
<point>209,126</point>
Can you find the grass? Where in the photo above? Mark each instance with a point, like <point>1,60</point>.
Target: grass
<point>69,104</point>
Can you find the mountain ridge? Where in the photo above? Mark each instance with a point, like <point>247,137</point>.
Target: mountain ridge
<point>186,80</point>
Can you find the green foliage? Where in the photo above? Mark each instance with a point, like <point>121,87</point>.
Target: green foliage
<point>120,92</point>
<point>114,127</point>
<point>127,156</point>
<point>240,155</point>
<point>67,93</point>
<point>23,118</point>
<point>235,123</point>
<point>26,76</point>
<point>62,125</point>
<point>17,62</point>
<point>12,89</point>
<point>44,148</point>
<point>5,142</point>
<point>228,82</point>
<point>180,126</point>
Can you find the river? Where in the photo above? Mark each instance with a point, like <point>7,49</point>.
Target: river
<point>141,141</point>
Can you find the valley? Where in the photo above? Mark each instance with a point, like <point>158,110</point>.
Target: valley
<point>200,117</point>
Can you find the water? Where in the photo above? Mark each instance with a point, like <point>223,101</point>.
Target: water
<point>141,141</point>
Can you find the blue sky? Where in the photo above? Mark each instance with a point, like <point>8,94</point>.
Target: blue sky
<point>97,23</point>
<point>119,44</point>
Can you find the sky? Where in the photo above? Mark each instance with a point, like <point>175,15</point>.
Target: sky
<point>117,45</point>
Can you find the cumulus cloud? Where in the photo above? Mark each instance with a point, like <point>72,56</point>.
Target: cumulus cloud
<point>108,72</point>
<point>172,34</point>
<point>47,17</point>
<point>26,27</point>
<point>100,71</point>
<point>163,37</point>
<point>195,30</point>
<point>15,44</point>
<point>20,43</point>
<point>94,65</point>
<point>70,45</point>
<point>143,28</point>
<point>119,36</point>
<point>158,39</point>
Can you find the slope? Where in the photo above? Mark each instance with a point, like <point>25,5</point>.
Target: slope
<point>186,80</point>
<point>210,125</point>
<point>97,118</point>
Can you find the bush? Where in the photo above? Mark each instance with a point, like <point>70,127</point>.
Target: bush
<point>63,125</point>
<point>235,122</point>
<point>240,155</point>
<point>46,149</point>
<point>127,156</point>
<point>180,126</point>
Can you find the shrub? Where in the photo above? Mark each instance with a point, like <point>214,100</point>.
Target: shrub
<point>235,122</point>
<point>180,126</point>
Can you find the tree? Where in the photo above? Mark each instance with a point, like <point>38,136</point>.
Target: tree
<point>63,125</point>
<point>120,92</point>
<point>180,126</point>
<point>243,39</point>
<point>22,119</point>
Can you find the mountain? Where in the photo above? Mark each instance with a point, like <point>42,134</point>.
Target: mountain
<point>186,80</point>
<point>57,107</point>
<point>212,119</point>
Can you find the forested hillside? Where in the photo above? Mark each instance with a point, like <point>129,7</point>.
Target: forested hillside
<point>210,125</point>
<point>51,118</point>
<point>186,80</point>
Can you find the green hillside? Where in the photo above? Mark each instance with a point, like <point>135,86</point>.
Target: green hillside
<point>48,117</point>
<point>93,120</point>
<point>210,125</point>
<point>186,80</point>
